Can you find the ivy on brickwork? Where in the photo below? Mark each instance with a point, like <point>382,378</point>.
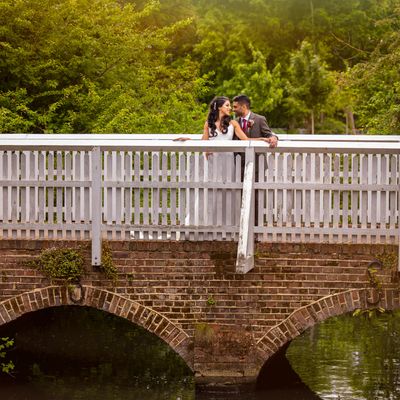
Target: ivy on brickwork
<point>369,312</point>
<point>211,301</point>
<point>107,262</point>
<point>373,274</point>
<point>385,260</point>
<point>203,333</point>
<point>65,264</point>
<point>388,260</point>
<point>5,344</point>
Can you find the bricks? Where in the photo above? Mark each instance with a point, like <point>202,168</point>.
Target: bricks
<point>169,287</point>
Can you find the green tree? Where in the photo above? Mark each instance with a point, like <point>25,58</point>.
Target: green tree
<point>310,83</point>
<point>263,86</point>
<point>376,84</point>
<point>67,65</point>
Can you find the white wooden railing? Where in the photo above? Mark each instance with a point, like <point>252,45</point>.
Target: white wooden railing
<point>330,189</point>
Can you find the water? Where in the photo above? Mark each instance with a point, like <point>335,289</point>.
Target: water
<point>352,358</point>
<point>74,353</point>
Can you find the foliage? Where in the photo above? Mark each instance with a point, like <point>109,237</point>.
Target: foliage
<point>204,333</point>
<point>64,264</point>
<point>254,79</point>
<point>377,87</point>
<point>211,301</point>
<point>5,344</point>
<point>152,66</point>
<point>79,66</point>
<point>107,262</point>
<point>370,312</point>
<point>389,259</point>
<point>373,275</point>
<point>309,82</point>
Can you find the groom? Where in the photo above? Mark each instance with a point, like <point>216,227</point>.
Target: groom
<point>253,125</point>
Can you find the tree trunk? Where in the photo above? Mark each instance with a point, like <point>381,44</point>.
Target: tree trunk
<point>312,122</point>
<point>350,120</point>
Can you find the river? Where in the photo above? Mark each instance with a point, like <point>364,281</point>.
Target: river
<point>76,353</point>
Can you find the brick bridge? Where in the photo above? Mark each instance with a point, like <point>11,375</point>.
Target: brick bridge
<point>225,325</point>
<point>227,271</point>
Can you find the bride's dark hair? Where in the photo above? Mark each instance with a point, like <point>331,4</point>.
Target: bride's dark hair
<point>213,114</point>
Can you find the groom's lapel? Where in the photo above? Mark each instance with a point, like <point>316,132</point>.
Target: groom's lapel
<point>251,117</point>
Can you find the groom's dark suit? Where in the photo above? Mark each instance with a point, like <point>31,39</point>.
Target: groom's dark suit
<point>256,127</point>
<point>259,127</point>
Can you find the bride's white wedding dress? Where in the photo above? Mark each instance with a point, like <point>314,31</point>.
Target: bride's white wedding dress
<point>223,136</point>
<point>204,205</point>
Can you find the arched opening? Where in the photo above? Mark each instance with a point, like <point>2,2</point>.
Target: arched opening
<point>277,377</point>
<point>344,357</point>
<point>82,352</point>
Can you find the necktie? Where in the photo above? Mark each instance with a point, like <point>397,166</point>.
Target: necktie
<point>244,124</point>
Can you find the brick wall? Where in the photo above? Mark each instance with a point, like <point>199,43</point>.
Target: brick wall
<point>192,287</point>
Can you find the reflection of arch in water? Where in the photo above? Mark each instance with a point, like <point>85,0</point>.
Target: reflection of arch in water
<point>274,368</point>
<point>318,311</point>
<point>307,316</point>
<point>104,300</point>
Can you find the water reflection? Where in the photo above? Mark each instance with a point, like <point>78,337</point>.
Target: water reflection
<point>74,353</point>
<point>351,358</point>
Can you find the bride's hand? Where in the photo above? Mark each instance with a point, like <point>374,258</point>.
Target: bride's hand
<point>181,139</point>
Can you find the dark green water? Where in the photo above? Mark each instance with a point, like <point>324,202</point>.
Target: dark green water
<point>71,353</point>
<point>351,357</point>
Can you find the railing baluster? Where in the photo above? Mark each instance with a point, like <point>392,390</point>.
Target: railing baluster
<point>96,206</point>
<point>245,257</point>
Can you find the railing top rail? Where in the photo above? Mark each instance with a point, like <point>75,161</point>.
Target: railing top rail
<point>153,136</point>
<point>165,143</point>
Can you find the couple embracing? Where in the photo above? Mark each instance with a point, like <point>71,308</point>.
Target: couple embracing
<point>220,126</point>
<point>246,126</point>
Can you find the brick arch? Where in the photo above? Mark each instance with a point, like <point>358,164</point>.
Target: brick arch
<point>53,296</point>
<point>330,306</point>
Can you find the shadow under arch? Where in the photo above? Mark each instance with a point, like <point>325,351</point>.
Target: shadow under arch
<point>104,300</point>
<point>278,373</point>
<point>316,312</point>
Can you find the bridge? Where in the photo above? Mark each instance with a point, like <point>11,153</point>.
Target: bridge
<point>226,266</point>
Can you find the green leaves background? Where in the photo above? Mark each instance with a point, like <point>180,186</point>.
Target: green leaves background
<point>125,66</point>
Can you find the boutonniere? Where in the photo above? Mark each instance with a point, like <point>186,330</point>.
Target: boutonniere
<point>250,123</point>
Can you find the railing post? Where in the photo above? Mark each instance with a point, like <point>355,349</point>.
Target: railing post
<point>398,218</point>
<point>96,206</point>
<point>245,255</point>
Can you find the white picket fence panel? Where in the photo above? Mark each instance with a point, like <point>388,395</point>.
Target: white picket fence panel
<point>329,197</point>
<point>70,187</point>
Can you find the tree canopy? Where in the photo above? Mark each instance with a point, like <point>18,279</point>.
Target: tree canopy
<point>126,66</point>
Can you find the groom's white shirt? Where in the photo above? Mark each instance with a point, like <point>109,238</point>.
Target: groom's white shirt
<point>247,117</point>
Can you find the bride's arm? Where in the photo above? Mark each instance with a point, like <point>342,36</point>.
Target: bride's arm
<point>242,136</point>
<point>238,130</point>
<point>206,136</point>
<point>205,132</point>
